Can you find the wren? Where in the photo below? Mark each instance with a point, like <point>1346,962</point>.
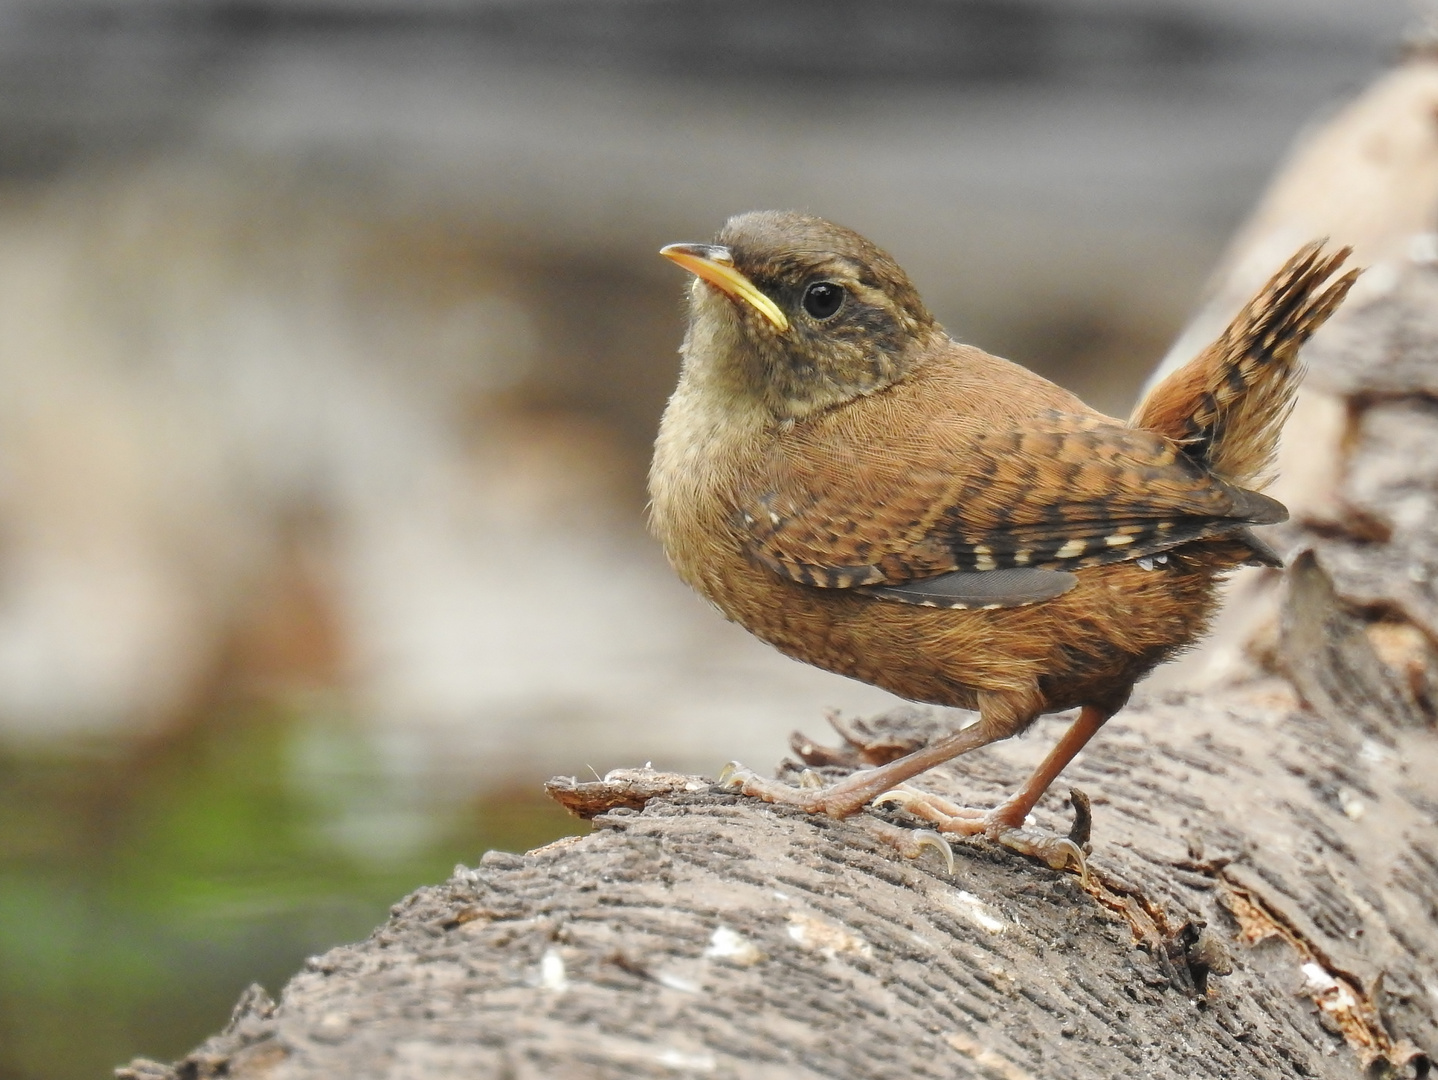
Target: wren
<point>854,487</point>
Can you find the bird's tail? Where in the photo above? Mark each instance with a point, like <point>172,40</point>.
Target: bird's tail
<point>1227,405</point>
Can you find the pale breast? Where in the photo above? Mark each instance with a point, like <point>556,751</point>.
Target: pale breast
<point>705,452</point>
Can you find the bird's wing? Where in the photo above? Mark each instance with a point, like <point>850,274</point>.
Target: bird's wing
<point>999,519</point>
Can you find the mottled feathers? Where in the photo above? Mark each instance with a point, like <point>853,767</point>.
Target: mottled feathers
<point>948,494</point>
<point>963,487</point>
<point>1227,406</point>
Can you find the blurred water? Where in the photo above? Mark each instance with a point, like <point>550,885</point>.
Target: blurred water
<point>143,886</point>
<point>333,336</point>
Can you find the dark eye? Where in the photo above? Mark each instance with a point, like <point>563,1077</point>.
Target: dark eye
<point>823,298</point>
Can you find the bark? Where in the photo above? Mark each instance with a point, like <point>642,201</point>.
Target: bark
<point>1263,890</point>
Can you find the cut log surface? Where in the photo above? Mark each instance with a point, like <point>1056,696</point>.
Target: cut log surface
<point>1263,902</point>
<point>1262,895</point>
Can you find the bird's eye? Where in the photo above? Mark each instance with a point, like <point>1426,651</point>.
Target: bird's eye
<point>823,298</point>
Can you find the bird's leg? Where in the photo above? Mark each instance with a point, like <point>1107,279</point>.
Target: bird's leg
<point>1013,810</point>
<point>1000,715</point>
<point>850,794</point>
<point>1005,823</point>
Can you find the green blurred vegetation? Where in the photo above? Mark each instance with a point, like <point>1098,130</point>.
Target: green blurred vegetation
<point>143,887</point>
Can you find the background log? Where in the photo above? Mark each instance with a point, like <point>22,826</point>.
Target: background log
<point>1263,898</point>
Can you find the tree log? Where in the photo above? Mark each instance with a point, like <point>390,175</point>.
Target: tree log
<point>1262,898</point>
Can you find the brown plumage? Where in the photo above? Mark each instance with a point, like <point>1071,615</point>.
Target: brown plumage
<point>859,490</point>
<point>1227,406</point>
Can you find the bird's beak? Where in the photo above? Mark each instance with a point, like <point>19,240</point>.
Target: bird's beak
<point>715,265</point>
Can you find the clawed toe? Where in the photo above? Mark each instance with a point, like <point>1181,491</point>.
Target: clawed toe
<point>900,797</point>
<point>929,838</point>
<point>811,795</point>
<point>938,811</point>
<point>1058,852</point>
<point>909,843</point>
<point>735,776</point>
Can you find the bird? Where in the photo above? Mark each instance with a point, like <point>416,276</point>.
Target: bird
<point>843,479</point>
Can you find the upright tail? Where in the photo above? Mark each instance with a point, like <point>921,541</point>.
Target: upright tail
<point>1227,405</point>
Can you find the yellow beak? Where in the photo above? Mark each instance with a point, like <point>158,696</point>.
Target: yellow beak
<point>715,265</point>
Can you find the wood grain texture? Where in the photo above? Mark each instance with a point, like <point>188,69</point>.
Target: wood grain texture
<point>707,935</point>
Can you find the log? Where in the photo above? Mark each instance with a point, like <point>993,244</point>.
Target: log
<point>1262,895</point>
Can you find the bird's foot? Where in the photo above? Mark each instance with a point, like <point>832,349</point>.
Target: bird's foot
<point>1059,852</point>
<point>910,843</point>
<point>946,816</point>
<point>812,795</point>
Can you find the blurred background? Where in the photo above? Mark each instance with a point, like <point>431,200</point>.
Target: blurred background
<point>332,341</point>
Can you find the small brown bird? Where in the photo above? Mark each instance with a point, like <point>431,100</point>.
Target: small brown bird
<point>843,479</point>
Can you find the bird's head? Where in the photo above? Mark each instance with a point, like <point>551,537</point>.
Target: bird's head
<point>798,314</point>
